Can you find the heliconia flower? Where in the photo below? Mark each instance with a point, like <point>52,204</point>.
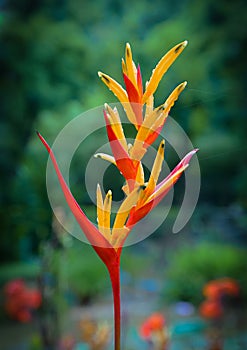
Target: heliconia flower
<point>140,196</point>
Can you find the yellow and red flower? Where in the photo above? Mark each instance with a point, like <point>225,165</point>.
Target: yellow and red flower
<point>141,195</point>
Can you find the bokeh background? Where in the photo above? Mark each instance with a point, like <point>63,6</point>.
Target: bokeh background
<point>50,52</point>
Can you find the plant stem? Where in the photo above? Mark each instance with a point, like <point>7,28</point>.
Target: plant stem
<point>114,271</point>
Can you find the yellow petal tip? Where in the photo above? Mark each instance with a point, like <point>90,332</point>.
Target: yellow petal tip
<point>128,51</point>
<point>179,48</point>
<point>104,77</point>
<point>184,84</point>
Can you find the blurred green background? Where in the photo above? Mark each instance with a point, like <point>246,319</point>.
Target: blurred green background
<point>50,52</point>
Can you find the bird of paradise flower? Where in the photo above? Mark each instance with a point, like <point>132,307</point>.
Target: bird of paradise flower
<point>140,196</point>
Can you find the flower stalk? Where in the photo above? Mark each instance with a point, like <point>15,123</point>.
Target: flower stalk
<point>114,273</point>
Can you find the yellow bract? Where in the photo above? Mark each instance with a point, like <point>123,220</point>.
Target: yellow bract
<point>161,68</point>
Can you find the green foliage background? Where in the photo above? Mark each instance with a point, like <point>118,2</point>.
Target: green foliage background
<point>202,266</point>
<point>50,54</point>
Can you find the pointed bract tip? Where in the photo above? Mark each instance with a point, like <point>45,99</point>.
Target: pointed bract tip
<point>128,49</point>
<point>109,193</point>
<point>195,150</point>
<point>162,143</point>
<point>185,43</point>
<point>40,136</point>
<point>104,77</point>
<point>182,86</point>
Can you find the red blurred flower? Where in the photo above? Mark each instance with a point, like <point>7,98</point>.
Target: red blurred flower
<point>14,287</point>
<point>20,300</point>
<point>154,323</point>
<point>145,331</point>
<point>215,289</point>
<point>33,299</point>
<point>211,309</point>
<point>230,287</point>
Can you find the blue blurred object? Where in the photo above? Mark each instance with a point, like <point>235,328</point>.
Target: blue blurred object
<point>183,308</point>
<point>149,285</point>
<point>135,340</point>
<point>188,327</point>
<point>125,277</point>
<point>81,346</point>
<point>196,342</point>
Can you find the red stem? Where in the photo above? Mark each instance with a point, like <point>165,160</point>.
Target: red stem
<point>114,271</point>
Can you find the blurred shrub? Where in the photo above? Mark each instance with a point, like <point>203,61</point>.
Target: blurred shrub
<point>191,267</point>
<point>82,273</point>
<point>19,270</point>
